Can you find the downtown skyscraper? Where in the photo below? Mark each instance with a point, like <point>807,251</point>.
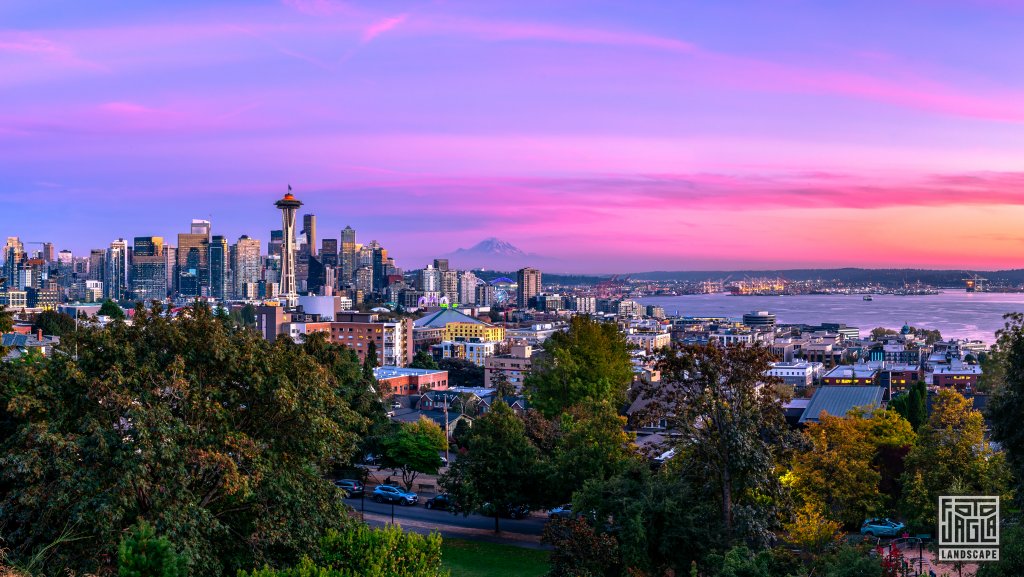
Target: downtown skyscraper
<point>149,269</point>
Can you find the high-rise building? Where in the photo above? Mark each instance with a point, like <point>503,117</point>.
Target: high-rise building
<point>47,253</point>
<point>365,280</point>
<point>429,280</point>
<point>115,283</point>
<point>193,270</point>
<point>171,260</point>
<point>329,252</point>
<point>276,240</point>
<point>97,264</point>
<point>348,255</point>
<point>288,205</point>
<point>201,227</point>
<point>380,259</point>
<point>467,288</point>
<point>14,254</point>
<point>529,286</point>
<point>309,232</point>
<point>149,269</point>
<point>441,264</point>
<point>220,271</point>
<point>450,285</point>
<point>246,267</point>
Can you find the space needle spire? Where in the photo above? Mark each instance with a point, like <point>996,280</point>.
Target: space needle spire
<point>288,205</point>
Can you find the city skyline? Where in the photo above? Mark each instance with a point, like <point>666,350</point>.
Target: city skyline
<point>613,139</point>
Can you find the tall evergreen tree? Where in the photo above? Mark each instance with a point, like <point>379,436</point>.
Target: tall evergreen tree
<point>1007,404</point>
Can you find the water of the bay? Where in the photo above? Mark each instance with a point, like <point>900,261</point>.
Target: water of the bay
<point>957,314</point>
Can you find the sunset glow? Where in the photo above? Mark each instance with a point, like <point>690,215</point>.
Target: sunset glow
<point>613,136</point>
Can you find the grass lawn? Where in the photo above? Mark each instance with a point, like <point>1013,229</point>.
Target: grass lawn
<point>480,559</point>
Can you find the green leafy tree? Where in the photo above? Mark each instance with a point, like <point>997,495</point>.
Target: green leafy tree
<point>951,457</point>
<point>1007,404</point>
<point>54,323</point>
<point>1011,555</point>
<point>414,448</point>
<point>841,471</point>
<point>217,435</point>
<point>592,444</point>
<point>6,320</point>
<point>367,552</point>
<point>580,550</point>
<point>662,520</point>
<point>588,362</point>
<point>248,315</point>
<point>423,360</point>
<point>728,427</point>
<point>143,554</point>
<point>111,309</point>
<point>462,373</point>
<point>497,466</point>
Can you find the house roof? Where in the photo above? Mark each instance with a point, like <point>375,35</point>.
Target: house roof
<point>838,400</point>
<point>441,318</point>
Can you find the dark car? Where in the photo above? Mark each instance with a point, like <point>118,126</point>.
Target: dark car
<point>352,487</point>
<point>882,527</point>
<point>507,510</point>
<point>561,512</point>
<point>389,494</point>
<point>442,502</point>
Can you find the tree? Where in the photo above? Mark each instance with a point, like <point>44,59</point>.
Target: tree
<point>912,404</point>
<point>729,428</point>
<point>143,554</point>
<point>414,448</point>
<point>370,362</point>
<point>588,362</point>
<point>502,385</point>
<point>217,437</point>
<point>951,457</point>
<point>1007,403</point>
<point>497,466</point>
<point>368,552</point>
<point>54,323</point>
<point>423,360</point>
<point>580,551</point>
<point>592,444</point>
<point>812,531</point>
<point>1011,555</point>
<point>111,309</point>
<point>6,320</point>
<point>462,373</point>
<point>879,332</point>
<point>847,463</point>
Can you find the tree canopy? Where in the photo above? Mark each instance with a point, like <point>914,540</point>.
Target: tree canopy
<point>497,466</point>
<point>54,323</point>
<point>588,362</point>
<point>423,360</point>
<point>462,373</point>
<point>414,448</point>
<point>214,436</point>
<point>111,309</point>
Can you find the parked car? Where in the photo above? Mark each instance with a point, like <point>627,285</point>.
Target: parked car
<point>396,405</point>
<point>351,487</point>
<point>442,502</point>
<point>389,494</point>
<point>882,527</point>
<point>561,512</point>
<point>508,510</point>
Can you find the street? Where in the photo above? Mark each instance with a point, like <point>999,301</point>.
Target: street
<point>417,518</point>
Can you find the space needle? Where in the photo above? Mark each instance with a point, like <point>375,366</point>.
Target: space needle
<point>288,205</point>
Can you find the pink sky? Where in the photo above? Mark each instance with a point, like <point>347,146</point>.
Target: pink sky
<point>610,136</point>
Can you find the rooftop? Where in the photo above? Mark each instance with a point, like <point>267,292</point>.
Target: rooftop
<point>441,318</point>
<point>838,400</point>
<point>389,372</point>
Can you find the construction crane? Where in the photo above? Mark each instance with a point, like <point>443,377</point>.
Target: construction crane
<point>975,283</point>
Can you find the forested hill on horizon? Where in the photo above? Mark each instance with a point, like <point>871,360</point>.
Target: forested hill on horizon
<point>887,277</point>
